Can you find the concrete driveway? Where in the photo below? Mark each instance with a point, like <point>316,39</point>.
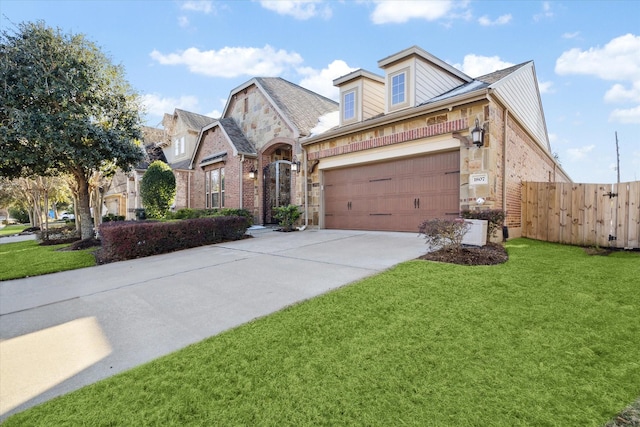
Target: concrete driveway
<point>62,331</point>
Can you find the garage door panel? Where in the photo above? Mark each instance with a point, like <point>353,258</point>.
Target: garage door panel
<point>392,196</point>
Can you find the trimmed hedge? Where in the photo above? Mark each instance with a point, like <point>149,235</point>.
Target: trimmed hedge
<point>136,239</point>
<point>187,213</point>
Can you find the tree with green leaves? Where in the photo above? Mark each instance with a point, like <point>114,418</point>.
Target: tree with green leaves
<point>158,189</point>
<point>64,109</point>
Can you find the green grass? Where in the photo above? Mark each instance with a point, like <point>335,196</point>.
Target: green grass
<point>24,259</point>
<point>551,338</point>
<point>10,230</point>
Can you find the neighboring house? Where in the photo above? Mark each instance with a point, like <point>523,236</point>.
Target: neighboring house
<point>181,130</point>
<point>244,159</point>
<point>402,150</point>
<point>123,196</point>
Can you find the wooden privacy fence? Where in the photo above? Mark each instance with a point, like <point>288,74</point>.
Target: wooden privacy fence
<point>606,215</point>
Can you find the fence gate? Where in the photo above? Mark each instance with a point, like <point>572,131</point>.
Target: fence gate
<point>606,215</point>
<point>277,188</point>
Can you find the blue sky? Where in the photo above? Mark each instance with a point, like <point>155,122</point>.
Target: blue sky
<point>191,54</point>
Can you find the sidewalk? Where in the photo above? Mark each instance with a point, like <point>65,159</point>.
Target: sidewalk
<point>62,331</point>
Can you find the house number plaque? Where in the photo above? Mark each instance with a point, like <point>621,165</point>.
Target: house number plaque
<point>478,178</point>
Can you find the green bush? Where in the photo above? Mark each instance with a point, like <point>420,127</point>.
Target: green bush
<point>112,217</point>
<point>188,213</point>
<point>494,217</point>
<point>287,216</point>
<point>158,189</point>
<point>19,214</point>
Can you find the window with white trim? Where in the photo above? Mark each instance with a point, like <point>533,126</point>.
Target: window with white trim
<point>214,188</point>
<point>398,88</point>
<point>349,106</point>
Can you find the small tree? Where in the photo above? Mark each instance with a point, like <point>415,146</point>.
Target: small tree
<point>158,189</point>
<point>444,233</point>
<point>287,216</point>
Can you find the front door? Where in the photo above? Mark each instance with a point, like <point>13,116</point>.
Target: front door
<point>277,188</point>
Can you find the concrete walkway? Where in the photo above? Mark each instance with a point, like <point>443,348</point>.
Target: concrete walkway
<point>62,331</point>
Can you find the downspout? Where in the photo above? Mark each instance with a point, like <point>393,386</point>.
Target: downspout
<point>189,188</point>
<point>240,174</point>
<point>304,183</point>
<point>504,160</point>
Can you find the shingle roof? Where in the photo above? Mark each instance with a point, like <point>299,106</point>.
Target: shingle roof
<point>302,106</point>
<point>240,142</point>
<point>151,154</point>
<point>193,120</point>
<point>492,78</point>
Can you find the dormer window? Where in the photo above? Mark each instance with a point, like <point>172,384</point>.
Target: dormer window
<point>349,106</point>
<point>398,88</point>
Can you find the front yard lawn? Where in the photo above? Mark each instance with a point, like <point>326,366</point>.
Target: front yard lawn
<point>24,259</point>
<point>550,338</point>
<point>10,230</point>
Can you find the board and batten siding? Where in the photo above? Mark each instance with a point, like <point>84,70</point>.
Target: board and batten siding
<point>520,92</point>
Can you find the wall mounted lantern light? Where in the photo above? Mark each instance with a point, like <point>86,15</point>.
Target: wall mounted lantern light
<point>253,174</point>
<point>295,165</point>
<point>477,134</point>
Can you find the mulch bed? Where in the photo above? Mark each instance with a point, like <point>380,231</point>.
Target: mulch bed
<point>490,254</point>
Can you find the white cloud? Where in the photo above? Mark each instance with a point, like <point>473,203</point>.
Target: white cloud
<point>299,9</point>
<point>232,61</point>
<point>321,81</point>
<point>157,105</point>
<point>500,20</point>
<point>628,116</point>
<point>579,153</point>
<point>475,65</point>
<point>215,113</point>
<point>571,35</point>
<point>204,6</point>
<point>618,93</point>
<point>546,12</point>
<point>397,12</point>
<point>545,87</point>
<point>617,60</point>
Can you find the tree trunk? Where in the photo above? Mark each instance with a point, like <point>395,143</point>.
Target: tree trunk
<point>83,209</point>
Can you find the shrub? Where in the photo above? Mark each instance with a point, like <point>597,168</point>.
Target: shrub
<point>188,213</point>
<point>287,216</point>
<point>19,214</point>
<point>444,233</point>
<point>494,217</point>
<point>112,217</point>
<point>134,239</point>
<point>58,235</point>
<point>158,189</point>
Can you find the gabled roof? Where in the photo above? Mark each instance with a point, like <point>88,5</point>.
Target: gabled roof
<point>426,56</point>
<point>193,120</point>
<point>240,143</point>
<point>358,74</point>
<point>515,86</point>
<point>498,75</point>
<point>299,107</point>
<point>234,136</point>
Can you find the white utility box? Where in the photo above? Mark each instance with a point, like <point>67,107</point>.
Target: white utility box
<point>477,233</point>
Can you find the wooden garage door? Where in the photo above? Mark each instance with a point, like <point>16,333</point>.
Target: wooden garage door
<point>393,196</point>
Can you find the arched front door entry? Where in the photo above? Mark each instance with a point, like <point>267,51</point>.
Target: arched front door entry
<point>277,188</point>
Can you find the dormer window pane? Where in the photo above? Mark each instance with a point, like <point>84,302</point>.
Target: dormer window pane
<point>398,89</point>
<point>349,105</point>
